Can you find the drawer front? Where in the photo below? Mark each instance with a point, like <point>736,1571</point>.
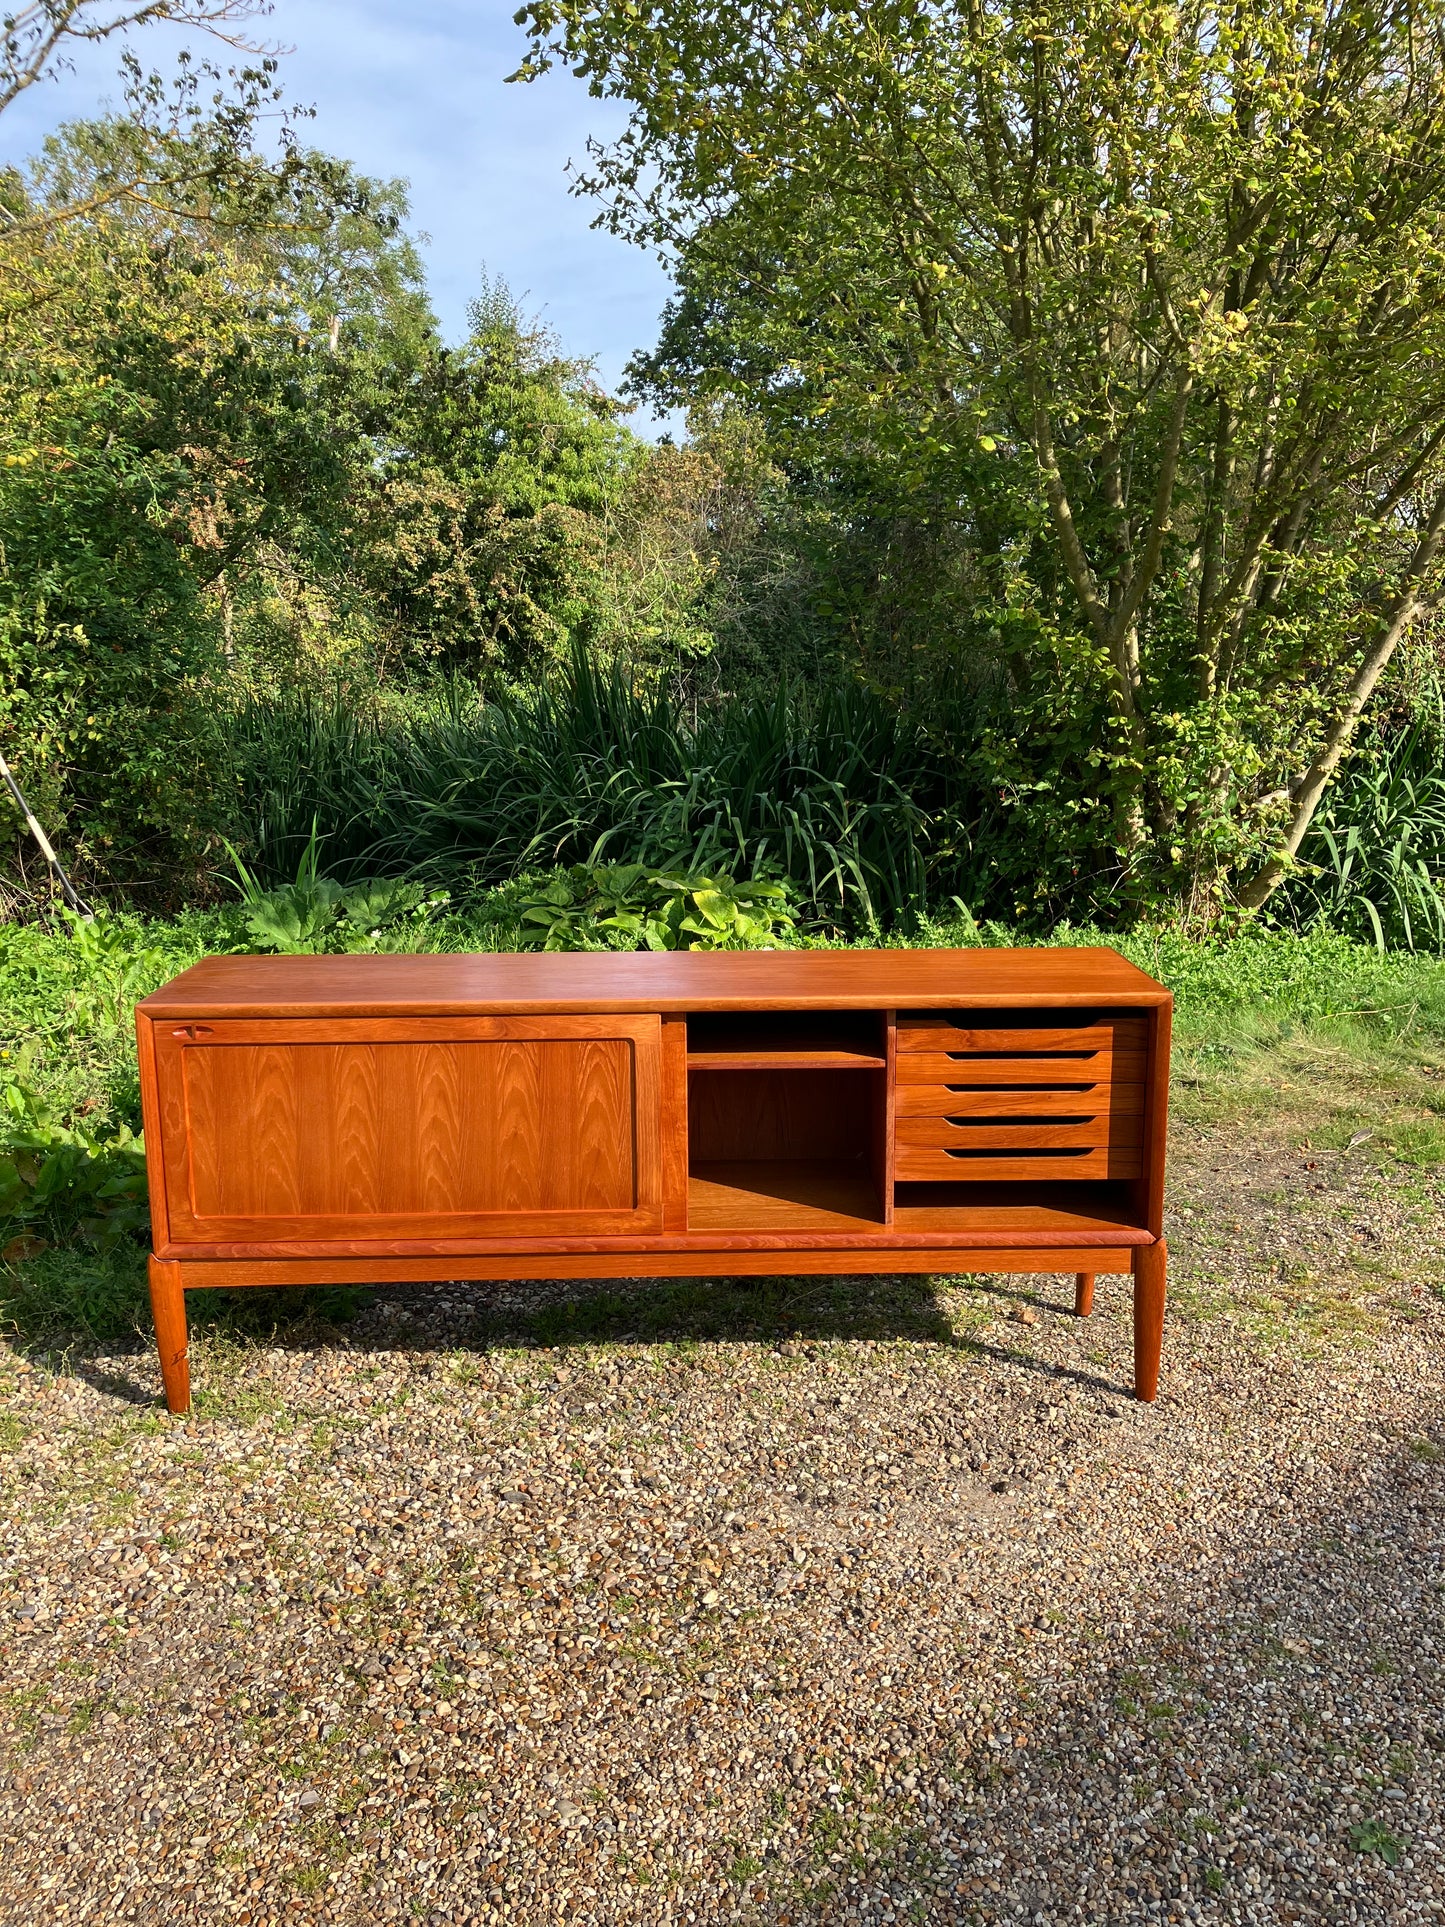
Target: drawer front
<point>1026,1131</point>
<point>972,1033</point>
<point>1016,1099</point>
<point>1092,1070</point>
<point>983,1096</point>
<point>918,1162</point>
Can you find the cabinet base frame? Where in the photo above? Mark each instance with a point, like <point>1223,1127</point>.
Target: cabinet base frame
<point>170,1279</point>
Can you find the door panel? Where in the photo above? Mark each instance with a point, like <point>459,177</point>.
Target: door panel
<point>456,1128</point>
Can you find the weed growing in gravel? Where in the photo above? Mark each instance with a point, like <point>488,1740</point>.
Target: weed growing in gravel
<point>1373,1836</point>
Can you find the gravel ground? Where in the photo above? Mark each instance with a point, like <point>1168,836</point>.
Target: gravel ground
<point>830,1601</point>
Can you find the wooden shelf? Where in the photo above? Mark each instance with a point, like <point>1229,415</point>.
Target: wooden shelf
<point>791,1040</point>
<point>768,1059</point>
<point>1088,1212</point>
<point>791,1194</point>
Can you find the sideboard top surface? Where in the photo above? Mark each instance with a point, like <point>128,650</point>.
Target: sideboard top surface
<point>532,983</point>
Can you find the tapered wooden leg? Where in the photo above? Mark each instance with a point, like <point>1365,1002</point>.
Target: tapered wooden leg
<point>168,1309</point>
<point>1083,1294</point>
<point>1150,1263</point>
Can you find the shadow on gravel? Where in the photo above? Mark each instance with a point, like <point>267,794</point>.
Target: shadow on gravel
<point>553,1315</point>
<point>1264,1742</point>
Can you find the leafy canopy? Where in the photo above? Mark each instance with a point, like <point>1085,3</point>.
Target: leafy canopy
<point>1153,292</point>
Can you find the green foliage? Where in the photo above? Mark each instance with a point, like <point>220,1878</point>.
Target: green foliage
<point>234,456</point>
<point>59,1180</point>
<point>478,529</point>
<point>827,787</point>
<point>161,420</point>
<point>314,914</point>
<point>1374,862</point>
<point>1374,1836</point>
<point>1269,986</point>
<point>1132,316</point>
<point>625,906</point>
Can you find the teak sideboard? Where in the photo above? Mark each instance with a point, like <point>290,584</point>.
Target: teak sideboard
<point>370,1119</point>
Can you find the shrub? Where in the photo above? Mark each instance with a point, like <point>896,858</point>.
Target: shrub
<point>627,907</point>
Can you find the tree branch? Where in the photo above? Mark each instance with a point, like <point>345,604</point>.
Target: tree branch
<point>1310,788</point>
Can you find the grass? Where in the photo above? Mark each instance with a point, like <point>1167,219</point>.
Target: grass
<point>1328,1040</point>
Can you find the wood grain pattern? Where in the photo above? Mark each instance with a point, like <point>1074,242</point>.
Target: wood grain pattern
<point>581,1116</point>
<point>916,1162</point>
<point>1019,1131</point>
<point>884,1117</point>
<point>408,1139</point>
<point>762,1261</point>
<point>771,1115</point>
<point>154,1136</point>
<point>1095,1067</point>
<point>1115,1035</point>
<point>673,1099</point>
<point>1014,1213</point>
<point>1156,1120</point>
<point>1150,1268</point>
<point>514,985</point>
<point>785,1040</point>
<point>948,1100</point>
<point>764,1059</point>
<point>168,1314</point>
<point>802,1194</point>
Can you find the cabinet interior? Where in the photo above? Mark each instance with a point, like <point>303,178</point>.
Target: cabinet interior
<point>789,1125</point>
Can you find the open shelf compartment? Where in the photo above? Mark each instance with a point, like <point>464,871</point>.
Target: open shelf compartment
<point>785,1040</point>
<point>789,1143</point>
<point>786,1194</point>
<point>1100,1213</point>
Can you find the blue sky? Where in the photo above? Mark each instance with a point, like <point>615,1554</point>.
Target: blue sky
<point>418,90</point>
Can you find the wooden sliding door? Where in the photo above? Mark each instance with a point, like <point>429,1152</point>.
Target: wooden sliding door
<point>412,1128</point>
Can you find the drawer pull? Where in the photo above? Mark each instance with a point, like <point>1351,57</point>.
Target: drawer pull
<point>1082,1089</point>
<point>192,1030</point>
<point>990,1056</point>
<point>1032,1151</point>
<point>990,1123</point>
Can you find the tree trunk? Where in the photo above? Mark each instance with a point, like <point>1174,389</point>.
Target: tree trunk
<point>1306,794</point>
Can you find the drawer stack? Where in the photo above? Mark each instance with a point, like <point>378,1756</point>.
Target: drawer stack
<point>998,1094</point>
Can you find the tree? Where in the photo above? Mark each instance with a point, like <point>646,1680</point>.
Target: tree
<point>482,524</point>
<point>36,39</point>
<point>165,416</point>
<point>1158,289</point>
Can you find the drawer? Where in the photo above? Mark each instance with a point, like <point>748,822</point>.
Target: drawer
<point>981,1034</point>
<point>1015,1098</point>
<point>1095,1070</point>
<point>963,1164</point>
<point>1058,1113</point>
<point>1030,1130</point>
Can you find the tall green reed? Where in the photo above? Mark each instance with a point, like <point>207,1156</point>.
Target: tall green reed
<point>832,786</point>
<point>1375,855</point>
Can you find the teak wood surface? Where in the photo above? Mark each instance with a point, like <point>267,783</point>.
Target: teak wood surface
<point>375,1119</point>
